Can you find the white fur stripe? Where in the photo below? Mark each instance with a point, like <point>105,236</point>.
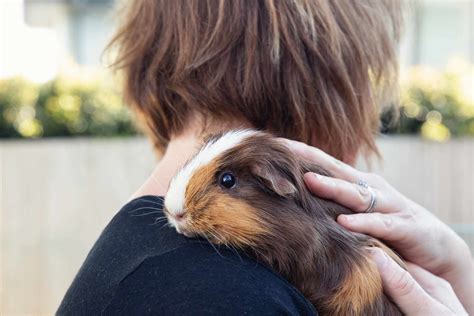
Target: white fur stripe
<point>174,201</point>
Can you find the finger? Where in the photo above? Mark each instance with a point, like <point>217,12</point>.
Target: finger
<point>402,288</point>
<point>350,195</point>
<point>436,287</point>
<point>335,167</point>
<point>383,226</point>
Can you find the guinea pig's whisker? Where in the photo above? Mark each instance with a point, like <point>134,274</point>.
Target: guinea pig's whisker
<point>235,251</point>
<point>163,226</point>
<point>160,204</point>
<point>213,246</point>
<point>213,233</point>
<point>159,220</point>
<point>144,214</point>
<point>146,208</point>
<point>162,217</point>
<point>219,236</point>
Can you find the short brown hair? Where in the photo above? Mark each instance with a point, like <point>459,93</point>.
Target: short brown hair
<point>310,70</point>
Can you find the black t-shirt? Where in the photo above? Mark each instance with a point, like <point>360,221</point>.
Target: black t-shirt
<point>141,266</point>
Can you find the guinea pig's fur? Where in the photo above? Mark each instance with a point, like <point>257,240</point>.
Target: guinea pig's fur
<point>272,216</point>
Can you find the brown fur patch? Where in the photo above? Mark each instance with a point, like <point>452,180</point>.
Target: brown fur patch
<point>240,221</point>
<point>196,195</point>
<point>218,216</point>
<point>360,289</point>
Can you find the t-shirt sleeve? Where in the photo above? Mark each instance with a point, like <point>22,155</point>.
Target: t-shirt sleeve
<point>192,280</point>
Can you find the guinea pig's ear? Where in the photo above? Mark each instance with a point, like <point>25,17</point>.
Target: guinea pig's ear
<point>274,180</point>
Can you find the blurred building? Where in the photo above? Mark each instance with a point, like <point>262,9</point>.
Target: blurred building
<point>437,31</point>
<point>82,26</point>
<point>39,37</point>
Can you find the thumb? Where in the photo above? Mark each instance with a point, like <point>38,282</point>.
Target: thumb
<point>401,287</point>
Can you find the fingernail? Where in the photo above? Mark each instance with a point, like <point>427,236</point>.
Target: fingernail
<point>312,175</point>
<point>348,218</point>
<point>378,256</point>
<point>309,176</point>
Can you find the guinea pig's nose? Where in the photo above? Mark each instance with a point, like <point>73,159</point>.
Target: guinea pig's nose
<point>179,216</point>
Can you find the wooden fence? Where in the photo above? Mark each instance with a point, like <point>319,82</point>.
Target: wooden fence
<point>57,195</point>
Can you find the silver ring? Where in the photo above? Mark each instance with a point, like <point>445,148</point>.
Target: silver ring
<point>373,201</point>
<point>373,197</point>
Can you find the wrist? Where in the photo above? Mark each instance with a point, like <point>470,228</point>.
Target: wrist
<point>460,273</point>
<point>461,278</point>
<point>455,258</point>
<point>461,262</point>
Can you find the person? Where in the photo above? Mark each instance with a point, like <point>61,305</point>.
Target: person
<point>314,71</point>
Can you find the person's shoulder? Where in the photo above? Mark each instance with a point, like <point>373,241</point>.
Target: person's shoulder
<point>136,232</point>
<point>196,279</point>
<point>140,265</point>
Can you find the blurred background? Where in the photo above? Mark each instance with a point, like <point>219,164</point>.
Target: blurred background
<point>70,155</point>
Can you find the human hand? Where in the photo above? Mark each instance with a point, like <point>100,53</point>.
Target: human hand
<point>416,291</point>
<point>414,232</point>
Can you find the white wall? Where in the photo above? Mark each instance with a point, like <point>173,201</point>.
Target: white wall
<point>92,28</point>
<point>57,196</point>
<point>446,30</point>
<point>437,31</point>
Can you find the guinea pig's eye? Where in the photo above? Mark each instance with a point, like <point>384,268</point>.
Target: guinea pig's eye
<point>227,180</point>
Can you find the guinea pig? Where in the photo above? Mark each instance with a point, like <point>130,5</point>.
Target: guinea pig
<point>245,189</point>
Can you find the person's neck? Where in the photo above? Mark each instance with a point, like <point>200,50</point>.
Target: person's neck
<point>179,150</point>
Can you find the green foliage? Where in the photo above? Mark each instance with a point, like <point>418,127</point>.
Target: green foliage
<point>63,107</point>
<point>434,104</point>
<point>437,104</point>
